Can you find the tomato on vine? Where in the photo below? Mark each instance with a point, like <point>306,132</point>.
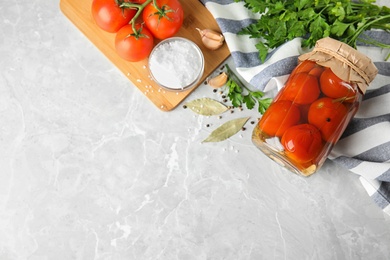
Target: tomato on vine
<point>109,16</point>
<point>163,18</point>
<point>134,45</point>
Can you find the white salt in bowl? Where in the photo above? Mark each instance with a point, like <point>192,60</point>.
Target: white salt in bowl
<point>176,64</point>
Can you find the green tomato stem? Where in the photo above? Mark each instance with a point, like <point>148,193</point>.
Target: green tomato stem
<point>140,8</point>
<point>157,7</point>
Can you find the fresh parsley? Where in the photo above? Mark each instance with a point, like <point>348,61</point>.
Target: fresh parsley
<point>344,20</point>
<point>239,94</point>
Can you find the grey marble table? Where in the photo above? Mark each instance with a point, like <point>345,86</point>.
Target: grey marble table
<point>91,169</point>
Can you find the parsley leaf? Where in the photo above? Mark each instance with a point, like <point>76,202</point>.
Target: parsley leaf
<point>345,20</point>
<point>239,94</point>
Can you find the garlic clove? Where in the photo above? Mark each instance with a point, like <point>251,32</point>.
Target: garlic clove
<point>218,81</point>
<point>212,44</point>
<point>211,34</point>
<point>211,39</point>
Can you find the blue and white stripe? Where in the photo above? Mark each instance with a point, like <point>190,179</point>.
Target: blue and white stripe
<point>365,146</point>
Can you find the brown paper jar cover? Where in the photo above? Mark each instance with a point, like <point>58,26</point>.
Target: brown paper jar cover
<point>346,62</point>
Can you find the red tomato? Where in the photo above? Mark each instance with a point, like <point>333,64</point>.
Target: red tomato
<point>304,66</point>
<point>332,86</point>
<point>164,24</point>
<point>109,16</point>
<point>304,112</point>
<point>302,143</point>
<point>301,88</point>
<point>278,117</point>
<point>131,47</point>
<point>316,71</point>
<point>309,67</point>
<point>328,116</point>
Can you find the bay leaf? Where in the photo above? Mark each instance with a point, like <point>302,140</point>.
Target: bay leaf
<point>207,106</point>
<point>226,130</point>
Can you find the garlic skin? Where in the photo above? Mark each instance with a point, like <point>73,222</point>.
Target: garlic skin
<point>211,39</point>
<point>218,81</point>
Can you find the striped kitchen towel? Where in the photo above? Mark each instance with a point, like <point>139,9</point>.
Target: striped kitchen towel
<point>365,146</point>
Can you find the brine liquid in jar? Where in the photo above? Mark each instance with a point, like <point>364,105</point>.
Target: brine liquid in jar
<point>313,108</point>
<point>307,117</point>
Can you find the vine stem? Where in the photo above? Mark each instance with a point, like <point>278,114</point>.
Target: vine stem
<point>140,8</point>
<point>157,7</point>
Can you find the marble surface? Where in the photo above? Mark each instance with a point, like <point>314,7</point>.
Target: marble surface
<point>91,169</point>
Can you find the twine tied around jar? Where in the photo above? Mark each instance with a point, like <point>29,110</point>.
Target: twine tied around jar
<point>346,62</point>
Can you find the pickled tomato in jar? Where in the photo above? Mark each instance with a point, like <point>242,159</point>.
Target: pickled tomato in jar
<point>310,113</point>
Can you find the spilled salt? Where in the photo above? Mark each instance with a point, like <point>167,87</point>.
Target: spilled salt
<point>176,64</point>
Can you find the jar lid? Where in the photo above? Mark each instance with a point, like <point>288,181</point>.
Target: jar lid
<point>347,63</point>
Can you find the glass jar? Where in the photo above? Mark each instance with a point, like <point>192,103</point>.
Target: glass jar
<point>313,108</point>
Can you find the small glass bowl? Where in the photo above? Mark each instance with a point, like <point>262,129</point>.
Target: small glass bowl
<point>176,64</point>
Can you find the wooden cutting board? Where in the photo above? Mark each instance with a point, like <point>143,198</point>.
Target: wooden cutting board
<point>195,16</point>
